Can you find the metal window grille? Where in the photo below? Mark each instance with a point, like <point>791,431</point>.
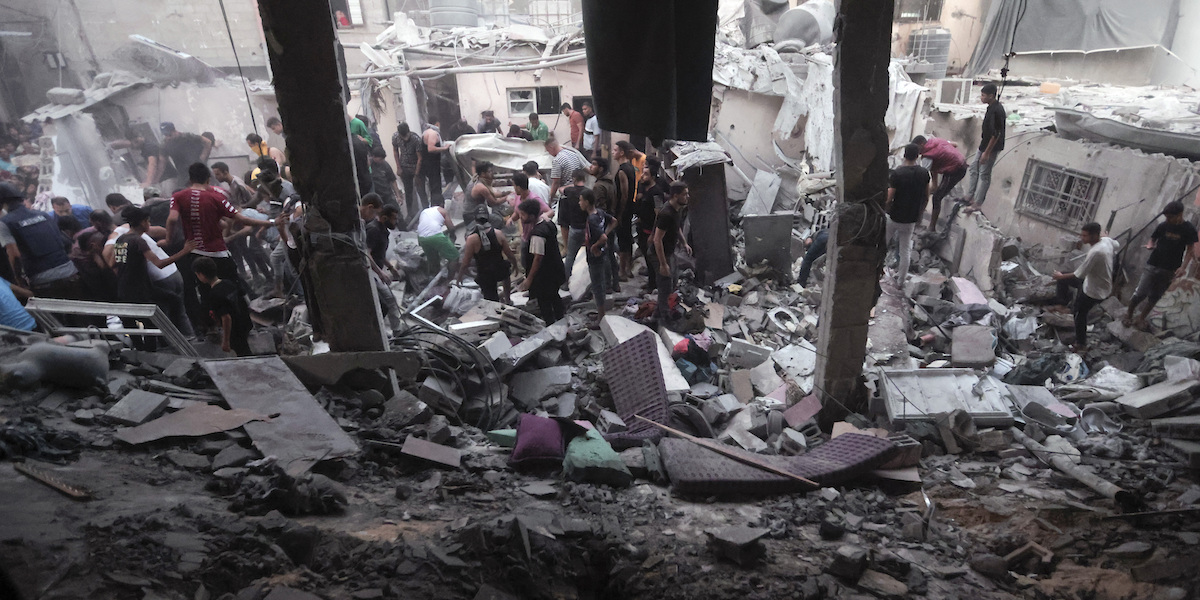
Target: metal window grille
<point>1059,195</point>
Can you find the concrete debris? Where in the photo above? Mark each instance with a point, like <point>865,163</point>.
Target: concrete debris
<point>1159,399</point>
<point>136,408</point>
<point>742,545</point>
<point>431,452</point>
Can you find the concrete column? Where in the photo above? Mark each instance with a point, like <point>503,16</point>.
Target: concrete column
<point>308,78</point>
<point>857,233</point>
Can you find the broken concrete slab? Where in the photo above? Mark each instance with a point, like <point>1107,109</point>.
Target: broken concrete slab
<point>718,410</point>
<point>193,421</point>
<point>1186,427</point>
<point>618,330</point>
<point>527,349</point>
<point>496,345</point>
<point>302,434</point>
<point>329,368</point>
<point>610,422</point>
<point>1134,338</point>
<point>971,347</point>
<point>768,239</point>
<point>405,409</point>
<point>798,361</point>
<point>137,407</point>
<point>743,354</point>
<point>529,388</point>
<point>233,456</point>
<point>849,563</point>
<point>764,379</point>
<point>475,330</point>
<point>882,585</point>
<point>1187,451</point>
<point>743,439</point>
<point>1160,398</point>
<point>966,292</point>
<point>430,452</point>
<point>799,413</point>
<point>188,460</point>
<point>742,545</point>
<point>441,394</point>
<point>741,386</point>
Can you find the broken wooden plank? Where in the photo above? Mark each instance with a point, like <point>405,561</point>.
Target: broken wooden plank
<point>302,434</point>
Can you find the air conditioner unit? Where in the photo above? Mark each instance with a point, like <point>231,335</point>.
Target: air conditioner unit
<point>951,91</point>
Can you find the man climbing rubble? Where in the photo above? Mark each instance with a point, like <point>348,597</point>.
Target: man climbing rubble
<point>947,167</point>
<point>1092,280</point>
<point>369,210</point>
<point>1172,245</point>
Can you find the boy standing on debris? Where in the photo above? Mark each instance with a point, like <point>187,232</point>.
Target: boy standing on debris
<point>227,306</point>
<point>667,233</point>
<point>595,237</point>
<point>543,264</point>
<point>908,189</point>
<point>1172,244</point>
<point>1093,279</point>
<point>991,142</point>
<point>948,164</point>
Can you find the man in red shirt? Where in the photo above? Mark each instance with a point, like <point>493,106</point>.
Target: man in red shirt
<point>576,120</point>
<point>948,165</point>
<point>199,209</point>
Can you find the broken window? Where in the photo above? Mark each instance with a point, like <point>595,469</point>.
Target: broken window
<point>1059,195</point>
<point>545,100</point>
<point>908,11</point>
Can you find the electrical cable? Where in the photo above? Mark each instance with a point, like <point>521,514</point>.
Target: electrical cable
<point>238,62</point>
<point>1023,5</point>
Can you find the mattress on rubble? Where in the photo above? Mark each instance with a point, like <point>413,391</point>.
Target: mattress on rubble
<point>695,470</point>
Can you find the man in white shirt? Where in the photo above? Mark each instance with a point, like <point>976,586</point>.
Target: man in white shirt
<point>540,188</point>
<point>591,128</point>
<point>1093,279</point>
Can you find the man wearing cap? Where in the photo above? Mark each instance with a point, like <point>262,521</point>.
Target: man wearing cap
<point>1171,245</point>
<point>183,149</point>
<point>35,249</point>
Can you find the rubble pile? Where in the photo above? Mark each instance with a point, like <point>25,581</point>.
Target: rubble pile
<point>492,455</point>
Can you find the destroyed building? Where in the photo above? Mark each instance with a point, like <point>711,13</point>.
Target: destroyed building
<point>483,452</point>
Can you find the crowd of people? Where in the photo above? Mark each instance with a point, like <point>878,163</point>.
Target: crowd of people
<point>220,239</point>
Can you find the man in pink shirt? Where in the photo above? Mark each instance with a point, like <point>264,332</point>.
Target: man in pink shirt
<point>521,193</point>
<point>948,165</point>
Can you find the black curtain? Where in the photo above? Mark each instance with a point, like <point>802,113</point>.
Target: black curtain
<point>650,65</point>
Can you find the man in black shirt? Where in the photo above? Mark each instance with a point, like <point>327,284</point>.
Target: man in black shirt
<point>543,264</point>
<point>991,142</point>
<point>572,219</point>
<point>666,236</point>
<point>908,189</point>
<point>1172,243</point>
<point>406,148</point>
<point>383,178</point>
<point>227,306</point>
<point>184,150</point>
<point>377,243</point>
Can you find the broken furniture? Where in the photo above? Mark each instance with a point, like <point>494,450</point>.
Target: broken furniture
<point>46,310</point>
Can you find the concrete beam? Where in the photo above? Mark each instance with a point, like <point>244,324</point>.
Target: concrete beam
<point>857,234</point>
<point>309,71</point>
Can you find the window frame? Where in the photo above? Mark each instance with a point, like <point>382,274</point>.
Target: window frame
<point>924,16</point>
<point>1034,196</point>
<point>535,92</point>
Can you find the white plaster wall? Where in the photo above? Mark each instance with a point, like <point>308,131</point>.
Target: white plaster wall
<point>745,123</point>
<point>1184,70</point>
<point>478,92</point>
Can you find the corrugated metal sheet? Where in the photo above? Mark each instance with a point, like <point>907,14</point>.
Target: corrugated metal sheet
<point>93,97</point>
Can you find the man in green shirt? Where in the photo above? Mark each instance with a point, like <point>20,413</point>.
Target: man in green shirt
<point>538,129</point>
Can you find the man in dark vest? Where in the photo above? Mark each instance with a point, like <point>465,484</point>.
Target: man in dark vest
<point>35,250</point>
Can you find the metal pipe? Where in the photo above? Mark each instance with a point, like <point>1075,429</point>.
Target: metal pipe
<point>508,67</point>
<point>1126,500</point>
